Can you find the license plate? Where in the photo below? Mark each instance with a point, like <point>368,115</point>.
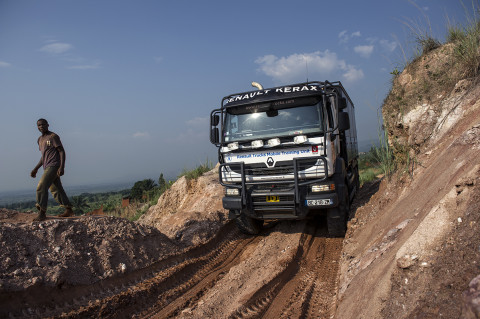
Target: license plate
<point>271,199</point>
<point>318,202</point>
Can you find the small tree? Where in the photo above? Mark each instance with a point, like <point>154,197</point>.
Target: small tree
<point>162,183</point>
<point>79,204</point>
<point>140,187</point>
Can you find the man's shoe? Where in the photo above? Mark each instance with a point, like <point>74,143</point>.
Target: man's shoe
<point>67,213</point>
<point>41,216</point>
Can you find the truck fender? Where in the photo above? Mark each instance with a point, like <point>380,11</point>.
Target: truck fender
<point>340,177</point>
<point>340,173</point>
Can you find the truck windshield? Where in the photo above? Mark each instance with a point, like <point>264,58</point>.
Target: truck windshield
<point>284,122</point>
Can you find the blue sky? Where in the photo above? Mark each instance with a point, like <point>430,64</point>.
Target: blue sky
<point>129,85</point>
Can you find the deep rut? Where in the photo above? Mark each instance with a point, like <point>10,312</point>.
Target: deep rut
<point>305,288</point>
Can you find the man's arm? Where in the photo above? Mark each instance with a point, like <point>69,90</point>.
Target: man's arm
<point>61,169</point>
<point>33,173</point>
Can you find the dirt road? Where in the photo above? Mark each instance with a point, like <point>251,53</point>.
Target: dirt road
<point>202,280</point>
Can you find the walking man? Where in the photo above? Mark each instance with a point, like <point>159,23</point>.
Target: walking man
<point>53,162</point>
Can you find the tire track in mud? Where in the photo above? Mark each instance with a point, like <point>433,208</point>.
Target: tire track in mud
<point>206,279</point>
<point>129,294</point>
<point>307,286</point>
<point>150,295</point>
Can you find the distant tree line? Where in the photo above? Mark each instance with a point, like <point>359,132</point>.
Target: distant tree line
<point>82,203</point>
<point>146,190</point>
<point>27,205</point>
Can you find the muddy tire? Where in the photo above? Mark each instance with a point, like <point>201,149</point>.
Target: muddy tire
<point>336,225</point>
<point>248,225</point>
<point>357,182</point>
<point>337,217</point>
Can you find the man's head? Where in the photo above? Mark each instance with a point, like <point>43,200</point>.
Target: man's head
<point>42,126</point>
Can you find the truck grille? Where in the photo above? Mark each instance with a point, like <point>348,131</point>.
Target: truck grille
<point>263,199</point>
<point>281,168</point>
<point>269,171</point>
<point>286,204</point>
<point>283,172</point>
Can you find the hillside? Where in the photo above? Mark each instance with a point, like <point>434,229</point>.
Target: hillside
<point>414,246</point>
<point>190,211</point>
<point>411,249</point>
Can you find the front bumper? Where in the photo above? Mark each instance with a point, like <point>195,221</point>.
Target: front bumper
<point>277,199</point>
<point>283,206</point>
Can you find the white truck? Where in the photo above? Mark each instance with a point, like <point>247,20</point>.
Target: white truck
<point>287,152</point>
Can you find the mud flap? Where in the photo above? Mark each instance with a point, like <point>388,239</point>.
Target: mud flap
<point>232,214</point>
<point>337,217</point>
<point>249,225</point>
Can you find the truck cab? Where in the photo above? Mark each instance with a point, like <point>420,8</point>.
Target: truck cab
<point>287,152</point>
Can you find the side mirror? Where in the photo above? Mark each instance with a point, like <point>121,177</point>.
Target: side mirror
<point>214,120</point>
<point>343,121</point>
<point>214,135</point>
<point>342,103</point>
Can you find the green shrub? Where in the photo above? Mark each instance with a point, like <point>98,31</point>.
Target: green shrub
<point>455,34</point>
<point>198,171</point>
<point>466,51</point>
<point>384,155</point>
<point>368,175</point>
<point>428,43</point>
<point>139,213</point>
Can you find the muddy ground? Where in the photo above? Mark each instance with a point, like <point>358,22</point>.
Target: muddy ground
<point>69,268</point>
<point>109,267</point>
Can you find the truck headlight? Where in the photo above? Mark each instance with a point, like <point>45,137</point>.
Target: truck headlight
<point>257,143</point>
<point>232,191</point>
<point>233,146</point>
<point>300,139</point>
<point>317,188</point>
<point>274,142</point>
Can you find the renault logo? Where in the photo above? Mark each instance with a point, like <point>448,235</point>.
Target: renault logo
<point>270,162</point>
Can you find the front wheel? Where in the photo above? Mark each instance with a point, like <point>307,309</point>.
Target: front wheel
<point>337,217</point>
<point>249,225</point>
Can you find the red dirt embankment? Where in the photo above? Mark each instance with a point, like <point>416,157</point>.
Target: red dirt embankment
<point>413,249</point>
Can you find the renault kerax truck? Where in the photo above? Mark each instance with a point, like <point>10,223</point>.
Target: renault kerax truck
<point>287,153</point>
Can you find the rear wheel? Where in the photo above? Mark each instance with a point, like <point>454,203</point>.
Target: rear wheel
<point>357,183</point>
<point>249,225</point>
<point>337,217</point>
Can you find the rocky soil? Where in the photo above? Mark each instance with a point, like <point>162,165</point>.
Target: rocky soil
<point>412,248</point>
<point>191,212</point>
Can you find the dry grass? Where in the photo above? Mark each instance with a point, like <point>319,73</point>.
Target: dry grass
<point>429,78</point>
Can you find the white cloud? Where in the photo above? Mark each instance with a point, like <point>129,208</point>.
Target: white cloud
<point>352,74</point>
<point>56,48</point>
<point>364,50</point>
<point>95,65</point>
<point>345,37</point>
<point>4,64</point>
<point>193,133</point>
<point>389,46</point>
<point>61,51</point>
<point>198,122</point>
<point>294,67</point>
<point>141,135</point>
